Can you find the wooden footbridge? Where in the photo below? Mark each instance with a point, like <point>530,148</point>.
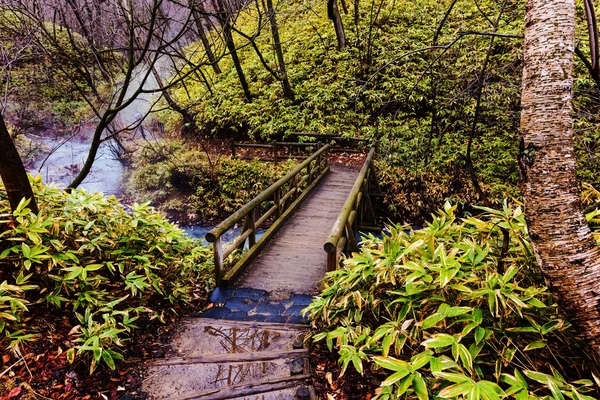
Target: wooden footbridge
<point>249,343</point>
<point>314,212</point>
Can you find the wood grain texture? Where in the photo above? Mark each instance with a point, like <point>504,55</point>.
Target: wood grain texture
<point>295,260</point>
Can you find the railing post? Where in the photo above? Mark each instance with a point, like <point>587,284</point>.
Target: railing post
<point>319,158</point>
<point>275,157</point>
<point>250,222</point>
<point>218,253</point>
<point>309,171</point>
<point>277,200</point>
<point>331,261</point>
<point>363,208</point>
<point>233,155</point>
<point>295,185</point>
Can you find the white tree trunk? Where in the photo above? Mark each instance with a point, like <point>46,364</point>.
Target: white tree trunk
<point>564,246</point>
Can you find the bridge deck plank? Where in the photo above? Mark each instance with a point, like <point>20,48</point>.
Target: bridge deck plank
<point>295,260</point>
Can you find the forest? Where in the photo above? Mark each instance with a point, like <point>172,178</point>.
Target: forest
<point>155,153</point>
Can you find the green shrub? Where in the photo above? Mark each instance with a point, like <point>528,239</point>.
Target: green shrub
<point>87,253</point>
<point>416,103</point>
<point>433,312</point>
<point>185,183</point>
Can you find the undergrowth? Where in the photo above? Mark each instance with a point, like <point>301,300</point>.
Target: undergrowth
<point>195,186</point>
<point>436,312</point>
<point>417,103</point>
<point>86,254</point>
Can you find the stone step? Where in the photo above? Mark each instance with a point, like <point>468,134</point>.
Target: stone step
<point>212,380</point>
<point>205,336</point>
<point>219,359</point>
<point>247,304</point>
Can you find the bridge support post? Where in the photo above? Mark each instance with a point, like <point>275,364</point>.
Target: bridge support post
<point>331,261</point>
<point>295,185</point>
<point>250,221</point>
<point>277,200</point>
<point>218,253</point>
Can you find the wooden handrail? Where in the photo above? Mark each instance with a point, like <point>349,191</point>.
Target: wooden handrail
<point>285,202</point>
<point>273,151</point>
<point>343,233</point>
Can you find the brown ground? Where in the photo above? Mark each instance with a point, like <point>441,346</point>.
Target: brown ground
<point>41,370</point>
<point>326,379</point>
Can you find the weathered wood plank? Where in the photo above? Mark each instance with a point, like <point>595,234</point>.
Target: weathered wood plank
<point>246,324</point>
<point>295,260</point>
<point>232,357</point>
<point>247,389</point>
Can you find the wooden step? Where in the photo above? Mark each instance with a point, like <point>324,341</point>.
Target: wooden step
<point>219,359</point>
<point>276,386</point>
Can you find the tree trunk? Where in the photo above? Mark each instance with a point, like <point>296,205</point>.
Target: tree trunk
<point>333,13</point>
<point>13,174</point>
<point>228,37</point>
<point>563,242</point>
<point>188,119</point>
<point>202,34</point>
<point>285,82</point>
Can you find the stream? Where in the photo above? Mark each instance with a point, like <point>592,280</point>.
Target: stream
<point>67,156</point>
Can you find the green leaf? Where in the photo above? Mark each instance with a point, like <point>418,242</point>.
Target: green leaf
<point>395,377</point>
<point>535,345</point>
<point>107,357</point>
<point>71,355</point>
<point>393,364</point>
<point>458,389</point>
<point>453,377</point>
<point>404,384</point>
<point>439,340</point>
<point>420,387</point>
<point>555,390</point>
<point>432,320</point>
<point>479,334</point>
<point>552,326</point>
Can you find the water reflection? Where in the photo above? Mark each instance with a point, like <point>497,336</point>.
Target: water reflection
<point>242,340</point>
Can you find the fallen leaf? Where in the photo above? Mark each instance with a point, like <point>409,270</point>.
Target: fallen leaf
<point>15,392</point>
<point>329,378</point>
<point>75,329</point>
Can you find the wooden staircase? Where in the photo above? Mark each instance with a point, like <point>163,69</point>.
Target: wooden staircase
<point>221,359</point>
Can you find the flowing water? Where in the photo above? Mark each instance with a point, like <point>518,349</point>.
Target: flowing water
<point>64,162</point>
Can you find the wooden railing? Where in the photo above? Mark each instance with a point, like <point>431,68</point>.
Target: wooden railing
<point>285,195</point>
<point>276,151</point>
<point>358,210</point>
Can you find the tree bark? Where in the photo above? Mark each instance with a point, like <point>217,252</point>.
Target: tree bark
<point>188,119</point>
<point>562,240</point>
<point>13,174</point>
<point>333,13</point>
<point>228,37</point>
<point>285,82</point>
<point>202,34</point>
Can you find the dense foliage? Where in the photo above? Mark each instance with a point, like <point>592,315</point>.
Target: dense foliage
<point>417,102</point>
<point>443,317</point>
<point>38,94</point>
<point>195,185</point>
<point>86,254</point>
